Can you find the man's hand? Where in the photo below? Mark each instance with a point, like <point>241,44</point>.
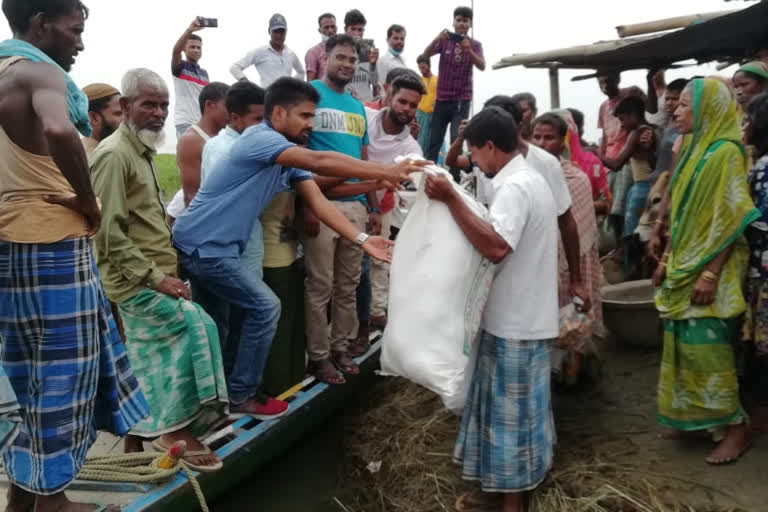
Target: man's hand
<point>703,292</point>
<point>646,138</point>
<point>466,43</point>
<point>659,275</point>
<point>444,34</point>
<point>195,26</point>
<point>311,224</point>
<point>401,171</point>
<point>415,129</point>
<point>379,247</point>
<point>373,56</point>
<point>439,188</point>
<point>374,223</point>
<point>174,288</point>
<point>578,290</point>
<point>462,125</point>
<point>88,208</point>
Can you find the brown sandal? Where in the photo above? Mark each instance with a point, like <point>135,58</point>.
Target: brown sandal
<point>322,373</point>
<point>345,368</point>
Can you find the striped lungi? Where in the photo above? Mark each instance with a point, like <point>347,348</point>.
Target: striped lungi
<point>175,350</point>
<point>507,435</point>
<point>620,181</point>
<point>65,361</point>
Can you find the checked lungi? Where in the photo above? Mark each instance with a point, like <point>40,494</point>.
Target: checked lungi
<point>64,359</point>
<point>507,435</point>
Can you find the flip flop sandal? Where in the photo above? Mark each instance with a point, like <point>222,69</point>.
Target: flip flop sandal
<point>157,445</point>
<point>336,379</point>
<point>357,348</point>
<point>347,369</point>
<point>469,502</point>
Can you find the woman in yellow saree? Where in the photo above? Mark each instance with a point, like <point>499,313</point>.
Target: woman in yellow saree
<point>702,271</point>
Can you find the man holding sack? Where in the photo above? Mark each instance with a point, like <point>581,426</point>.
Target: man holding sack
<point>507,435</point>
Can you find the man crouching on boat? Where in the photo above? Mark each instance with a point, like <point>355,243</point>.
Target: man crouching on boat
<point>507,436</point>
<point>212,233</point>
<point>172,343</point>
<point>60,346</point>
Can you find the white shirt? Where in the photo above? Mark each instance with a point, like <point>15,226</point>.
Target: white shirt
<point>383,147</point>
<point>550,169</point>
<point>546,165</point>
<point>387,63</point>
<point>270,64</point>
<point>522,304</point>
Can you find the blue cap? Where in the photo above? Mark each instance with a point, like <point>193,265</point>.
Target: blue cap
<point>277,21</point>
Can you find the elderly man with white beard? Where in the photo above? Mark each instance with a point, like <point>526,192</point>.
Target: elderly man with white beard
<point>171,342</point>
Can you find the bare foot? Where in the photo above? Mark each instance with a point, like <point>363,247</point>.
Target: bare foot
<point>20,500</point>
<point>133,444</point>
<point>193,445</point>
<point>60,503</point>
<point>731,448</point>
<point>478,501</point>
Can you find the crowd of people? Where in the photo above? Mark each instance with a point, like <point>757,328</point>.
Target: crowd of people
<point>156,321</point>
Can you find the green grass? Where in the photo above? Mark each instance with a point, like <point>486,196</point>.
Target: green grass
<point>167,175</point>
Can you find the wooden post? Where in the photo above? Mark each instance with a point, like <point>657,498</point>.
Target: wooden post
<point>554,87</point>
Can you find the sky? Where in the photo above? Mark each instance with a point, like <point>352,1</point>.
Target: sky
<point>120,36</point>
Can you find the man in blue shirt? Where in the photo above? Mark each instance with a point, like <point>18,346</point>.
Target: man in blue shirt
<point>212,234</point>
<point>333,264</point>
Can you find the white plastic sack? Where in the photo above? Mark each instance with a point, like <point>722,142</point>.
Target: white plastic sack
<point>438,287</point>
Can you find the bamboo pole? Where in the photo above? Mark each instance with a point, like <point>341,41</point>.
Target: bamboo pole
<point>650,27</point>
<point>554,87</point>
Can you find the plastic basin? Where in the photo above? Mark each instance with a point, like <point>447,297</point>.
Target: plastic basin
<point>630,314</point>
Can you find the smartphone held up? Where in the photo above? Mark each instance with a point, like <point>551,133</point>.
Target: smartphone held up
<point>208,22</point>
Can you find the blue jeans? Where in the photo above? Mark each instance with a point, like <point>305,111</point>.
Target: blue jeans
<point>220,283</point>
<point>446,113</point>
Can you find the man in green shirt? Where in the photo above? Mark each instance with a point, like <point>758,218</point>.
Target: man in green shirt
<point>171,341</point>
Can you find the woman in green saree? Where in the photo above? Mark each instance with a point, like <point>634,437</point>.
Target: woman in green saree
<point>700,276</point>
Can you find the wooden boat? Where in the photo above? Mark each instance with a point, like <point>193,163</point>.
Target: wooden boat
<point>244,446</point>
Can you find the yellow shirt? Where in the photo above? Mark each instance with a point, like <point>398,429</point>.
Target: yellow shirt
<point>280,237</point>
<point>427,104</point>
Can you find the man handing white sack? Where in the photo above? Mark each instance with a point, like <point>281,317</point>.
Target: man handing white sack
<point>444,288</point>
<point>438,285</point>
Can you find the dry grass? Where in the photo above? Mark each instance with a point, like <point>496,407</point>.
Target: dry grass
<point>406,428</point>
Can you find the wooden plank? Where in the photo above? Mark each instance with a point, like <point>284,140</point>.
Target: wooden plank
<point>649,27</point>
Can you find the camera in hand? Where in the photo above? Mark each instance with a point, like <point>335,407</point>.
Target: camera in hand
<point>208,22</point>
<point>456,38</point>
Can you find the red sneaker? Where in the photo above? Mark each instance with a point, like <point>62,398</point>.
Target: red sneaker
<point>266,409</point>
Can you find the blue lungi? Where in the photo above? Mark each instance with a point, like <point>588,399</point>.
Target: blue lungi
<point>507,435</point>
<point>65,361</point>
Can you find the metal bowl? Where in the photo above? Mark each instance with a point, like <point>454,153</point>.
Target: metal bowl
<point>630,314</point>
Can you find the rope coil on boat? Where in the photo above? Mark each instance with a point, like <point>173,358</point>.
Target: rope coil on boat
<point>138,468</point>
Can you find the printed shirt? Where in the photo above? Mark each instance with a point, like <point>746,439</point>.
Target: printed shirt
<point>340,125</point>
<point>757,232</point>
<point>270,64</point>
<point>133,246</point>
<point>427,103</point>
<point>456,68</point>
<point>220,219</point>
<point>316,60</point>
<point>188,83</point>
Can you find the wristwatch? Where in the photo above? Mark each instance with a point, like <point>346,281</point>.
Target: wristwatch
<point>362,238</point>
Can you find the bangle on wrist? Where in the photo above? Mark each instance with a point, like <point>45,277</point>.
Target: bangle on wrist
<point>710,276</point>
<point>374,210</point>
